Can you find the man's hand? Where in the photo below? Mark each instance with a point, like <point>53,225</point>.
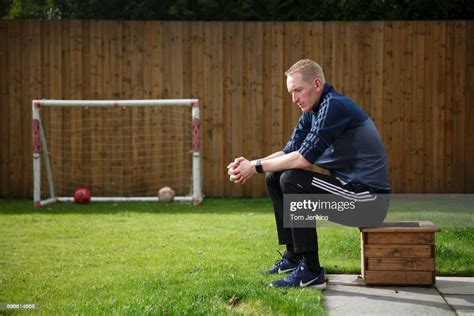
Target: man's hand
<point>232,170</point>
<point>245,169</point>
<point>240,170</point>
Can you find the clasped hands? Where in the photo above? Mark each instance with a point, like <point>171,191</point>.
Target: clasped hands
<point>240,170</point>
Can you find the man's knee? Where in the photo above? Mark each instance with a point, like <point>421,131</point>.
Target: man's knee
<point>272,179</point>
<point>288,180</point>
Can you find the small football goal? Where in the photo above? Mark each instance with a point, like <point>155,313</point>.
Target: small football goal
<point>123,150</point>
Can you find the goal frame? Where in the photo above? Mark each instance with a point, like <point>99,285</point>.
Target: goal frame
<point>40,146</point>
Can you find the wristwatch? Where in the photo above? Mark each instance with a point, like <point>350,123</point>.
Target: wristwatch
<point>258,166</point>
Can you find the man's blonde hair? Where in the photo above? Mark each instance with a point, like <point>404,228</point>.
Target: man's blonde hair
<point>308,69</point>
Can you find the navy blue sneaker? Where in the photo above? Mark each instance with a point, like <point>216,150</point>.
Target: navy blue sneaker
<point>283,265</point>
<point>302,277</point>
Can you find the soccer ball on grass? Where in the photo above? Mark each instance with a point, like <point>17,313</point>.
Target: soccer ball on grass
<point>82,196</point>
<point>166,195</point>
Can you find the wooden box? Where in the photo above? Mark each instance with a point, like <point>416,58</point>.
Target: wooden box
<point>399,253</point>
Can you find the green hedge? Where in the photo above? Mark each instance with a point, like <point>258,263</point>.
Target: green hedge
<point>245,10</point>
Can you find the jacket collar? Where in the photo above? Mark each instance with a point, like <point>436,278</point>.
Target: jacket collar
<point>326,89</point>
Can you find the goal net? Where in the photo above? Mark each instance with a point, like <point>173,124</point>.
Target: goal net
<point>119,150</point>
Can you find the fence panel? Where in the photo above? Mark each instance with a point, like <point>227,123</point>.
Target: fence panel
<point>415,79</point>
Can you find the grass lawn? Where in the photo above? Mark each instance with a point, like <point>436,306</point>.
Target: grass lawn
<point>150,258</point>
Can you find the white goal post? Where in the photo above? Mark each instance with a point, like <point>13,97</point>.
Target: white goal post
<point>44,189</point>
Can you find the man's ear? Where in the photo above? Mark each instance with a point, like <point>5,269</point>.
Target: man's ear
<point>318,83</point>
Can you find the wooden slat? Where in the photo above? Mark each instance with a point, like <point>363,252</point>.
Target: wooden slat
<point>458,110</point>
<point>65,76</point>
<point>31,85</point>
<point>376,75</point>
<point>185,113</point>
<point>267,132</point>
<point>173,52</point>
<point>408,119</point>
<point>366,67</point>
<point>155,47</point>
<point>149,45</point>
<point>34,90</point>
<point>256,104</point>
<point>214,36</point>
<point>338,61</point>
<point>388,102</point>
<point>418,111</point>
<point>428,127</point>
<point>246,92</point>
<point>111,89</point>
<point>399,277</point>
<point>14,109</point>
<point>25,96</point>
<point>46,65</point>
<point>236,98</point>
<point>354,74</point>
<point>279,90</point>
<point>398,251</point>
<point>139,152</point>
<point>158,40</point>
<point>314,41</point>
<point>397,108</point>
<point>448,181</point>
<point>363,259</point>
<point>401,264</point>
<point>398,227</point>
<point>206,112</point>
<point>217,97</point>
<point>469,96</point>
<point>438,114</point>
<point>4,113</point>
<point>96,64</point>
<point>122,167</point>
<point>294,48</point>
<point>197,87</point>
<point>403,238</point>
<point>55,57</point>
<point>227,97</point>
<point>72,118</point>
<point>134,62</point>
<point>344,58</point>
<point>327,49</point>
<point>86,114</point>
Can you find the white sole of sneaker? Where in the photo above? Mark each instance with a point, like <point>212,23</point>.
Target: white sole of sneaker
<point>319,286</point>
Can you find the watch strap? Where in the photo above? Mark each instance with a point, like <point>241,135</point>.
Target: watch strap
<point>258,166</point>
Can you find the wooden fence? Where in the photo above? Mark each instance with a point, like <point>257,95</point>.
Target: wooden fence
<point>415,79</point>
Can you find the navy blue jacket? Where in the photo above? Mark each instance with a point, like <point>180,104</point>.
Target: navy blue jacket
<point>337,135</point>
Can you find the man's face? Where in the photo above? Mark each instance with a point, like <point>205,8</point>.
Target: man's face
<point>304,94</point>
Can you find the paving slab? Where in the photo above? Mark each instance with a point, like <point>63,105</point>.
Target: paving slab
<point>463,304</point>
<point>455,285</point>
<point>348,295</point>
<point>458,292</point>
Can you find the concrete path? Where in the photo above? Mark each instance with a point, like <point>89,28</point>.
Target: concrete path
<point>348,295</point>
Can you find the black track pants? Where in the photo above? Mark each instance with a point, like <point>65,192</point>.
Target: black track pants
<point>299,181</point>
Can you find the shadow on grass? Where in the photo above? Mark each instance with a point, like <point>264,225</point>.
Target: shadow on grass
<point>209,205</point>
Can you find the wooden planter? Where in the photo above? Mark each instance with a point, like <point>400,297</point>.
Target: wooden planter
<point>399,253</point>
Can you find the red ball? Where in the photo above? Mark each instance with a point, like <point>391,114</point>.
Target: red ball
<point>82,196</point>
